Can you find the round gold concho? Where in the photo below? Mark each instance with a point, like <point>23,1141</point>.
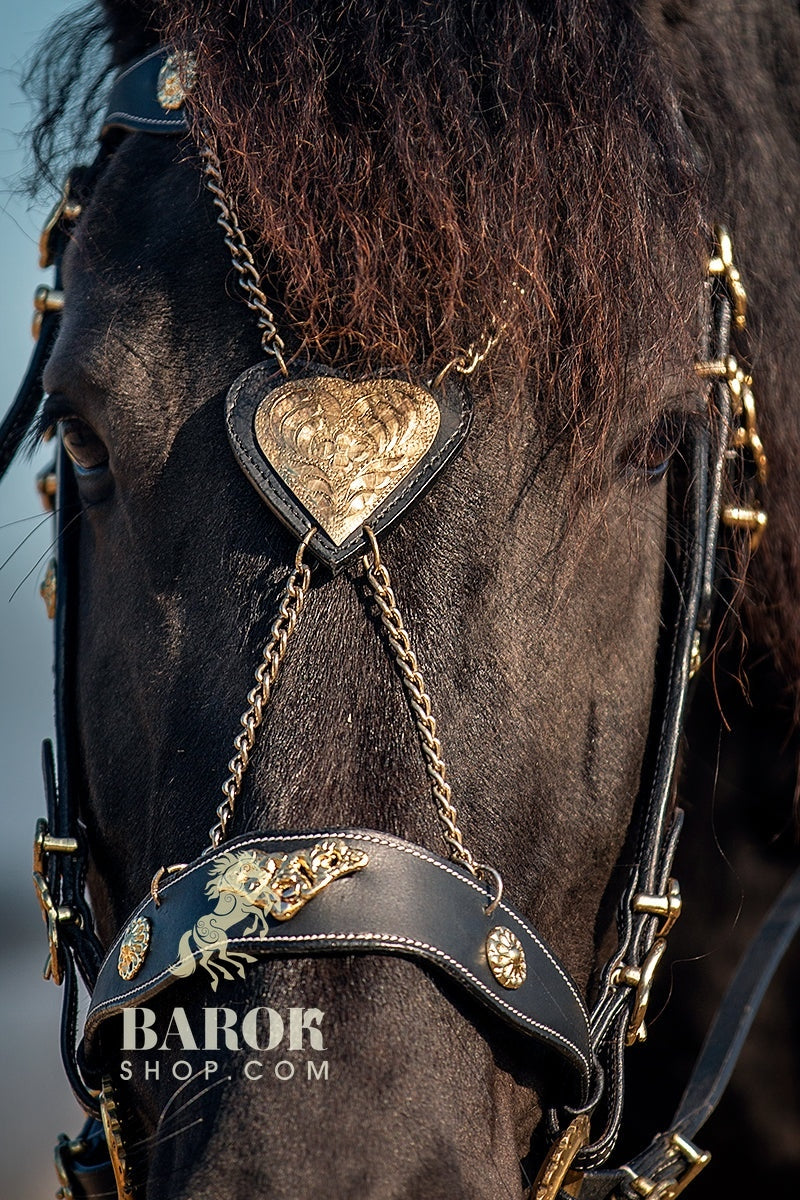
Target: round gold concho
<point>176,78</point>
<point>506,957</point>
<point>133,950</point>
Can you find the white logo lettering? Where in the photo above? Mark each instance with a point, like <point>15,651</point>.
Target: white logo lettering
<point>138,1020</point>
<point>301,1019</point>
<point>220,1020</point>
<point>250,1028</point>
<point>179,1027</point>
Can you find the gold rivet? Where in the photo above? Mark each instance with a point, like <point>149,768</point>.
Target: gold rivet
<point>133,950</point>
<point>506,957</point>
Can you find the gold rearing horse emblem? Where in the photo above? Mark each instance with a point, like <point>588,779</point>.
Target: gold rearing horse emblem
<point>252,885</point>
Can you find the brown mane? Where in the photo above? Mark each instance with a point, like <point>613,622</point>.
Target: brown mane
<point>400,167</point>
<point>396,173</point>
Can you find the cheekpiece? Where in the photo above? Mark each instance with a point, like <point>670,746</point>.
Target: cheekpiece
<point>332,455</point>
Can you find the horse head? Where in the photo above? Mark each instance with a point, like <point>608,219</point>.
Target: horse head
<point>504,213</point>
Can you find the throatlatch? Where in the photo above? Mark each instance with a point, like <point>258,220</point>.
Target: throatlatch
<point>339,461</point>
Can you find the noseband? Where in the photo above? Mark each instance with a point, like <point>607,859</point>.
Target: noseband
<point>331,891</point>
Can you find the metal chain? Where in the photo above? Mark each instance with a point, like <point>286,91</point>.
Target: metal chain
<point>467,361</point>
<point>414,686</point>
<point>464,362</point>
<point>289,609</point>
<point>242,259</point>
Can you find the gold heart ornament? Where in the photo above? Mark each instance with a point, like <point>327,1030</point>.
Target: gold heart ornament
<point>343,447</point>
<point>334,454</point>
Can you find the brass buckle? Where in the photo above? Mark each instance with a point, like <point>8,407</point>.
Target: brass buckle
<point>667,1189</point>
<point>109,1113</point>
<point>47,486</point>
<point>66,1151</point>
<point>745,436</point>
<point>723,266</point>
<point>45,300</point>
<point>667,906</point>
<point>53,916</point>
<point>65,209</point>
<point>746,439</point>
<point>640,978</point>
<point>48,589</point>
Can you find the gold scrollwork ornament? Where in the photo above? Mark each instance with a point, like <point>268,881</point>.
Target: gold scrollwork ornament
<point>555,1174</point>
<point>133,950</point>
<point>342,448</point>
<point>175,79</point>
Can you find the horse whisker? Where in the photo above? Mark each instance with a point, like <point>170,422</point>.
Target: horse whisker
<point>41,557</point>
<point>37,516</point>
<point>42,521</point>
<point>197,1096</point>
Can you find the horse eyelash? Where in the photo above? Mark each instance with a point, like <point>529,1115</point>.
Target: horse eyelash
<point>55,409</point>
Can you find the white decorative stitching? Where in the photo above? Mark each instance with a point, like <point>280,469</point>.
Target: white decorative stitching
<point>374,839</point>
<point>381,939</point>
<point>172,122</point>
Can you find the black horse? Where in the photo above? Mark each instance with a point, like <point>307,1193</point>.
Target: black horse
<point>528,190</point>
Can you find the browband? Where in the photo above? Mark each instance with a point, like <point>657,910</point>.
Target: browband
<point>143,98</point>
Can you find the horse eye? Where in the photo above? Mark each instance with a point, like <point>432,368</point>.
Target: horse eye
<point>651,453</point>
<point>85,448</point>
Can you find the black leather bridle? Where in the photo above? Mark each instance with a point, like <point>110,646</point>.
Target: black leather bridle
<point>410,901</point>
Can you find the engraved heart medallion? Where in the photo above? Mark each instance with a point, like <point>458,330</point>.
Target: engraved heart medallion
<point>330,453</point>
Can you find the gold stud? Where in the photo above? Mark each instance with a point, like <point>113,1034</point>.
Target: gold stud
<point>133,950</point>
<point>176,78</point>
<point>506,957</point>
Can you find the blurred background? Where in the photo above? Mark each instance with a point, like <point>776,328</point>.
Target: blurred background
<point>35,1101</point>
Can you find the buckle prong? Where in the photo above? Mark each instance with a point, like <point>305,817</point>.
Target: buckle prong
<point>667,906</point>
<point>667,1189</point>
<point>53,915</point>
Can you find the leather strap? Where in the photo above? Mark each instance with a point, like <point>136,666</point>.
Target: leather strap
<point>25,405</point>
<point>84,1166</point>
<point>133,105</point>
<point>738,1009</point>
<point>406,901</point>
<point>686,613</point>
<point>663,1162</point>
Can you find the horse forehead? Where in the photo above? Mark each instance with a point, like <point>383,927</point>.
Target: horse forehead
<point>145,288</point>
<point>148,211</point>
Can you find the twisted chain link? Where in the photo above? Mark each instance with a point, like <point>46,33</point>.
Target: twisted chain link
<point>242,259</point>
<point>464,362</point>
<point>289,610</point>
<point>294,595</point>
<point>414,686</point>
